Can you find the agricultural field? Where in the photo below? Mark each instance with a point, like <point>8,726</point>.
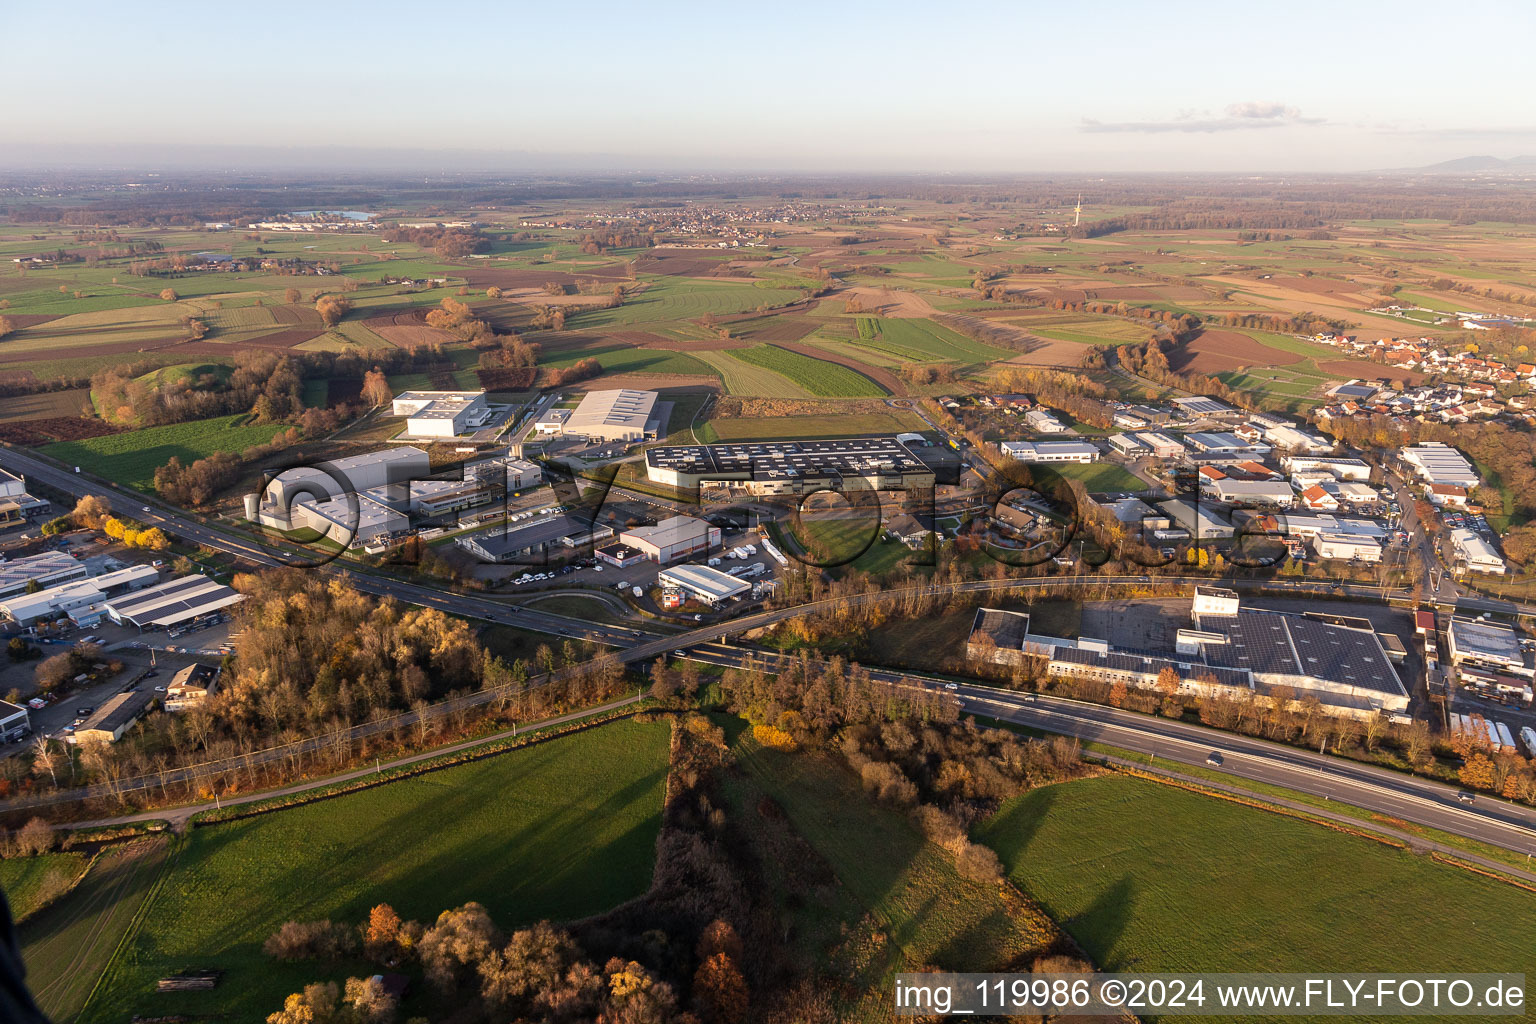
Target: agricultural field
<point>558,831</point>
<point>819,377</point>
<point>68,945</point>
<point>867,894</point>
<point>45,405</point>
<point>131,458</point>
<point>917,340</point>
<point>772,428</point>
<point>677,298</point>
<point>31,882</point>
<point>1152,878</point>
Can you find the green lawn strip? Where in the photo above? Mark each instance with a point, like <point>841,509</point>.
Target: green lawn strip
<point>1149,877</point>
<point>561,830</point>
<point>131,458</point>
<point>31,883</point>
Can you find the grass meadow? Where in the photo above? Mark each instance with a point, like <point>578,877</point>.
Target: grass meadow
<point>131,458</point>
<point>820,378</point>
<point>867,895</point>
<point>31,882</point>
<point>1151,878</point>
<point>559,830</point>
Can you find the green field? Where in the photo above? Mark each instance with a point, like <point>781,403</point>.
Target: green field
<point>680,298</point>
<point>68,945</point>
<point>131,458</point>
<point>629,359</point>
<point>30,882</point>
<point>869,897</point>
<point>922,341</point>
<point>821,378</point>
<point>559,830</point>
<point>770,428</point>
<point>1152,878</point>
<point>1099,477</point>
<point>747,381</point>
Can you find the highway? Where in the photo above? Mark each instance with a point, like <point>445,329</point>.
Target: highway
<point>1389,793</point>
<point>1393,794</point>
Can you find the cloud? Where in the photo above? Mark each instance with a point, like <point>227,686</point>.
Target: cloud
<point>1238,117</point>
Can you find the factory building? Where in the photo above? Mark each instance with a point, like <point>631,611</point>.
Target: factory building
<point>672,539</point>
<point>48,569</point>
<point>1439,463</point>
<point>172,604</point>
<point>710,586</point>
<point>792,467</point>
<point>1050,451</point>
<point>621,414</point>
<point>441,414</point>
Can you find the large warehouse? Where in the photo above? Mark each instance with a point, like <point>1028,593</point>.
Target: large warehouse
<point>329,479</point>
<point>1439,463</point>
<point>1233,652</point>
<point>672,539</point>
<point>618,415</point>
<point>792,467</point>
<point>441,413</point>
<point>703,583</point>
<point>48,569</point>
<point>173,603</point>
<point>66,598</point>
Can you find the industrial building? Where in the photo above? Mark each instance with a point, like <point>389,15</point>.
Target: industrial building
<point>672,539</point>
<point>792,467</point>
<point>337,477</point>
<point>558,534</point>
<point>710,586</point>
<point>442,414</point>
<point>15,722</point>
<point>1347,547</point>
<point>621,414</point>
<point>506,471</point>
<point>1475,553</point>
<point>1050,451</point>
<point>48,569</point>
<point>1288,437</point>
<point>16,505</point>
<point>1273,493</point>
<point>1221,443</point>
<point>44,605</point>
<point>1233,652</point>
<point>1357,470</point>
<point>1476,644</point>
<point>1201,521</point>
<point>108,723</point>
<point>1205,406</point>
<point>1307,525</point>
<point>351,520</point>
<point>175,603</point>
<point>1158,445</point>
<point>1439,463</point>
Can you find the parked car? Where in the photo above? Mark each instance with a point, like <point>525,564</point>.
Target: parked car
<point>82,712</point>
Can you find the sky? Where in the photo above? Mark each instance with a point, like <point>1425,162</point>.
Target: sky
<point>951,88</point>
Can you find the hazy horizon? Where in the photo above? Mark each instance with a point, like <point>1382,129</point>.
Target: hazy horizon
<point>995,89</point>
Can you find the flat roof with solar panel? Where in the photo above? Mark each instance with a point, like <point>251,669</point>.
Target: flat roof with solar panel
<point>771,465</point>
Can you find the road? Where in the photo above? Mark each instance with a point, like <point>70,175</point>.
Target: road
<point>1393,794</point>
<point>1389,793</point>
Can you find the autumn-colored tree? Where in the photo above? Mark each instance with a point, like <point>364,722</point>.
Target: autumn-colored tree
<point>453,949</point>
<point>1477,772</point>
<point>90,512</point>
<point>168,294</point>
<point>719,990</point>
<point>493,292</point>
<point>1168,680</point>
<point>382,931</point>
<point>6,326</point>
<point>376,389</point>
<point>292,295</point>
<point>332,308</point>
<point>1117,694</point>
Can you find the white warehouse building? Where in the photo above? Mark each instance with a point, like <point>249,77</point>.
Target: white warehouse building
<point>441,413</point>
<point>1050,451</point>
